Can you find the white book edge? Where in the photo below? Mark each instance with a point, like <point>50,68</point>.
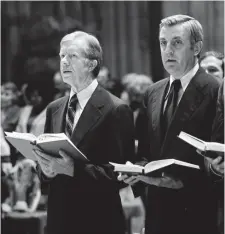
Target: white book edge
<point>207,146</point>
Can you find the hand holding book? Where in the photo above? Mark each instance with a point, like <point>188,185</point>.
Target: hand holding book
<point>131,173</point>
<point>49,143</point>
<point>207,149</point>
<point>52,166</point>
<point>165,181</point>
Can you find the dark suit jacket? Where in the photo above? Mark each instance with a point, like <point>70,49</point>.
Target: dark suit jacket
<point>217,181</point>
<point>90,202</point>
<point>187,210</point>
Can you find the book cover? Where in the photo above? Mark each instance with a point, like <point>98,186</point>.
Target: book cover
<point>49,143</point>
<point>200,144</point>
<point>156,167</point>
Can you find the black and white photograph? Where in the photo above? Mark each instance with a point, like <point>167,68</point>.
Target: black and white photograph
<point>112,117</point>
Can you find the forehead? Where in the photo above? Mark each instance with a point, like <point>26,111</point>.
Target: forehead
<point>70,43</point>
<point>171,32</point>
<point>211,61</point>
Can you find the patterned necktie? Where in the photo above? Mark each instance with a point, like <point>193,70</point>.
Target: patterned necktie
<point>70,115</point>
<point>171,102</point>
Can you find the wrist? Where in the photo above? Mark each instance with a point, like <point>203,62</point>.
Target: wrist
<point>70,171</point>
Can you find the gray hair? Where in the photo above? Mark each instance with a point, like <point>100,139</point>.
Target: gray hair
<point>93,51</point>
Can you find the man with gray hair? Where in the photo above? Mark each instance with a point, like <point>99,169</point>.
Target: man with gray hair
<point>84,197</point>
<point>178,203</point>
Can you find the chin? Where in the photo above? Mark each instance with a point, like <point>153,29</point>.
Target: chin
<point>66,78</point>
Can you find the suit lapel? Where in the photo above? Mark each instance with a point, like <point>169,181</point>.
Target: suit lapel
<point>157,107</point>
<point>59,116</point>
<point>189,103</point>
<point>89,117</point>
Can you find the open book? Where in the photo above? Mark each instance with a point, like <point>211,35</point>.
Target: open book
<point>50,143</point>
<point>159,166</point>
<point>202,145</point>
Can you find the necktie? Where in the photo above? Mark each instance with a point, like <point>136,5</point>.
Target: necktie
<point>171,102</point>
<point>70,115</point>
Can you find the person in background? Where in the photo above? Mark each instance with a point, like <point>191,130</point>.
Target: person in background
<point>37,97</point>
<point>24,188</point>
<point>106,81</point>
<point>135,86</point>
<point>10,112</point>
<point>10,109</point>
<point>213,63</point>
<point>215,167</point>
<point>125,82</point>
<point>84,197</point>
<point>185,101</point>
<point>31,120</point>
<point>61,88</point>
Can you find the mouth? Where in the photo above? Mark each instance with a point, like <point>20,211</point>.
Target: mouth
<point>66,72</point>
<point>170,60</point>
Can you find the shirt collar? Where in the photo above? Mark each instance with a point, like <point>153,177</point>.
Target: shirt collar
<point>84,95</point>
<point>185,80</point>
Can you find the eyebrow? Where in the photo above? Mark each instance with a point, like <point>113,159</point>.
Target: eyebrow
<point>177,37</point>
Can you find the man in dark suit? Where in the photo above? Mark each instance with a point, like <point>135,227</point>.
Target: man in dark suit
<point>215,167</point>
<point>84,197</point>
<point>186,101</point>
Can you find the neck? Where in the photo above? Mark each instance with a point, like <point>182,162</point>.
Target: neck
<point>179,76</point>
<point>79,87</point>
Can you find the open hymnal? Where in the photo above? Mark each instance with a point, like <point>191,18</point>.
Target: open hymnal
<point>164,165</point>
<point>203,146</point>
<point>49,143</point>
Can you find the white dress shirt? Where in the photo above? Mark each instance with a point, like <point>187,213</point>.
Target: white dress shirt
<point>83,97</point>
<point>185,80</point>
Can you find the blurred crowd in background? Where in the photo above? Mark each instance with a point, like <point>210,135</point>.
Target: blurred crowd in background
<point>23,109</point>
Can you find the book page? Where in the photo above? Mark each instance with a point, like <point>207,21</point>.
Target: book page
<point>155,165</point>
<point>20,135</point>
<point>186,164</point>
<point>51,137</point>
<point>127,168</point>
<point>52,144</point>
<point>215,146</point>
<point>194,141</point>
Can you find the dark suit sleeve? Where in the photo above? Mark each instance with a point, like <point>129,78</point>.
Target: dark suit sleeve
<point>143,146</point>
<point>44,180</point>
<point>218,123</point>
<point>217,131</point>
<point>120,149</point>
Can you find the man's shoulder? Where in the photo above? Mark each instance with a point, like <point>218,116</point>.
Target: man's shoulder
<point>54,104</point>
<point>109,98</point>
<point>206,80</point>
<point>157,85</point>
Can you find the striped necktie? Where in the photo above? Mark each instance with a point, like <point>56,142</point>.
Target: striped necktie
<point>70,115</point>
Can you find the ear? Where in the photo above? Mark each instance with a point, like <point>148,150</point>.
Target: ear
<point>92,65</point>
<point>198,47</point>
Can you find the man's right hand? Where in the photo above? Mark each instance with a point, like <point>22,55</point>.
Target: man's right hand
<point>44,165</point>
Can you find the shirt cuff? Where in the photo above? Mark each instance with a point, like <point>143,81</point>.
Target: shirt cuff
<point>217,175</point>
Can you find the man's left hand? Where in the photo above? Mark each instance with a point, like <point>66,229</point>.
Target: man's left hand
<point>217,165</point>
<point>63,165</point>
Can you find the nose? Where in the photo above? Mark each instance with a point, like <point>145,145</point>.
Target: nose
<point>65,60</point>
<point>169,50</point>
